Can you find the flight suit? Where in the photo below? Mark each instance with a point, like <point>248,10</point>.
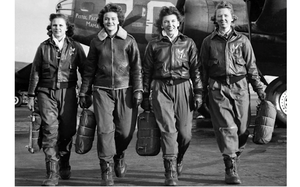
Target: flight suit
<point>113,68</point>
<point>227,65</point>
<point>173,70</point>
<point>53,81</point>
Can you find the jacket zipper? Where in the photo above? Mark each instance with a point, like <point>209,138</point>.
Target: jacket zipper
<point>172,58</point>
<point>112,65</point>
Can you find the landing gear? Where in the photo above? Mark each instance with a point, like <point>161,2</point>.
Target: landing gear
<point>18,100</point>
<point>277,93</point>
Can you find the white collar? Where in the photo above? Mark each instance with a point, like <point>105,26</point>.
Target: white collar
<point>174,36</point>
<point>122,33</point>
<point>60,43</point>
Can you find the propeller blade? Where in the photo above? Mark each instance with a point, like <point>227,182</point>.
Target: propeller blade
<point>248,5</point>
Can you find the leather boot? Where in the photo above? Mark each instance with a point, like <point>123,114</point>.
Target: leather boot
<point>52,174</point>
<point>106,173</point>
<point>47,170</point>
<point>65,170</point>
<point>171,177</point>
<point>120,166</point>
<point>179,164</point>
<point>179,167</point>
<point>64,167</point>
<point>231,175</point>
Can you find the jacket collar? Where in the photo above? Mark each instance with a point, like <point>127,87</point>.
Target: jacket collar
<point>67,39</point>
<point>122,33</point>
<point>162,36</point>
<point>164,33</point>
<point>215,32</point>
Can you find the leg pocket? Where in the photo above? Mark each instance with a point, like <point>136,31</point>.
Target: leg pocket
<point>230,140</point>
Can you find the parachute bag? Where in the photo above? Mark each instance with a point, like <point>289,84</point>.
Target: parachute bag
<point>264,122</point>
<point>35,136</point>
<point>148,135</point>
<point>85,132</point>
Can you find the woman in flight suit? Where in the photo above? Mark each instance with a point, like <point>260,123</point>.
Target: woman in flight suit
<point>171,65</point>
<point>53,81</point>
<point>227,64</point>
<point>114,70</point>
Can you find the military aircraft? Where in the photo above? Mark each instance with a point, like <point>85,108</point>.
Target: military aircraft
<point>263,21</point>
<point>22,71</point>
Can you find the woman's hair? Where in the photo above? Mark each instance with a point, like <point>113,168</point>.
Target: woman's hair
<point>166,11</point>
<point>224,4</point>
<point>70,27</point>
<point>111,7</point>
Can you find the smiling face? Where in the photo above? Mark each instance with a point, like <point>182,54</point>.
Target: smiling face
<point>170,24</point>
<point>111,22</point>
<point>224,18</point>
<point>59,28</point>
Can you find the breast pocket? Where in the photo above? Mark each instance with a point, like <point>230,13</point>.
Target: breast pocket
<point>123,69</point>
<point>238,66</point>
<point>185,65</point>
<point>73,70</point>
<point>159,66</point>
<point>46,70</point>
<point>240,61</point>
<point>72,66</point>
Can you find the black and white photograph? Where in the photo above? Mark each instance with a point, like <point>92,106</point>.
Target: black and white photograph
<point>149,93</point>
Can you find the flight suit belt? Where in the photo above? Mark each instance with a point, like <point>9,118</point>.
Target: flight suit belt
<point>232,79</point>
<point>171,82</point>
<point>57,85</point>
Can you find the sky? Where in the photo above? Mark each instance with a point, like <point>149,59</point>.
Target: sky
<point>31,20</point>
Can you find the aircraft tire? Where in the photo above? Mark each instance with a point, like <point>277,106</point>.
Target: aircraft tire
<point>18,100</point>
<point>277,93</point>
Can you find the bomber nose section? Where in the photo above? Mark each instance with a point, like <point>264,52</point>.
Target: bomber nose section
<point>65,7</point>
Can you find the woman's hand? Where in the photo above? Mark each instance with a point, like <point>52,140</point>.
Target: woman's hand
<point>30,103</point>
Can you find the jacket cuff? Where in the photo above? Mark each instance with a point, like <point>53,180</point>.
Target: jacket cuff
<point>138,90</point>
<point>82,94</point>
<point>30,95</point>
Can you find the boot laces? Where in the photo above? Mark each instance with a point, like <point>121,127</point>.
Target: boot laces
<point>172,168</point>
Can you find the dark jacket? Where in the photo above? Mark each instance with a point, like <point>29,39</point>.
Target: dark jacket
<point>224,58</point>
<point>171,60</point>
<point>112,63</point>
<point>54,69</point>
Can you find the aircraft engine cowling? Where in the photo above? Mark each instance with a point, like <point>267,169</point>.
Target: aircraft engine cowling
<point>273,17</point>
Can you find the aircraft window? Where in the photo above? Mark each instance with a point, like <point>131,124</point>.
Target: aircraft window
<point>65,7</point>
<point>87,7</point>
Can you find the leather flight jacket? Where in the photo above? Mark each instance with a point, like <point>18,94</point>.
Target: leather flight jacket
<point>112,63</point>
<point>229,60</point>
<point>56,69</point>
<point>171,62</point>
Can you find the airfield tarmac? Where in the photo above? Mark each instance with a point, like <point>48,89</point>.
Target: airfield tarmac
<point>260,165</point>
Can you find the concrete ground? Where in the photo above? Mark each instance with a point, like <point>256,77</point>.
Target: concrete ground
<point>261,165</point>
